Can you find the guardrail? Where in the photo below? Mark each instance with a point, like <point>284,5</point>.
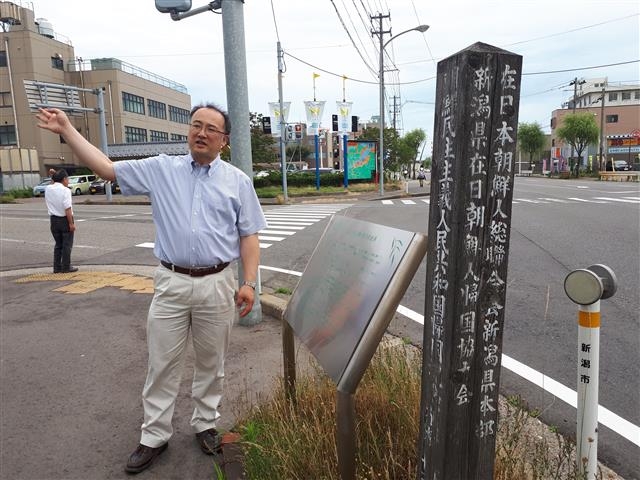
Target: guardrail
<point>630,176</point>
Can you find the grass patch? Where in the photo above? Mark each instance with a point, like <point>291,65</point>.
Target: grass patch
<point>296,440</point>
<point>283,290</point>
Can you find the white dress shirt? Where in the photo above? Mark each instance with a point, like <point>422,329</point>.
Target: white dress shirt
<point>58,199</point>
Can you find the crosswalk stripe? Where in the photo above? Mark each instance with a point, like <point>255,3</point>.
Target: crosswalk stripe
<point>387,202</point>
<point>408,202</point>
<point>283,222</point>
<point>556,200</point>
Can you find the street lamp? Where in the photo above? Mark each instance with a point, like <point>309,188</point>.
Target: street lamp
<point>421,29</point>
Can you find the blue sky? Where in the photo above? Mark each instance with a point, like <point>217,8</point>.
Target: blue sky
<point>552,36</point>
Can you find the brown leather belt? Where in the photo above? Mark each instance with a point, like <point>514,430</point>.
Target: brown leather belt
<point>195,272</point>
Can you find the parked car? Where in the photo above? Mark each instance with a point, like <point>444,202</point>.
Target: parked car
<point>618,166</point>
<point>39,189</point>
<point>97,186</point>
<point>79,184</point>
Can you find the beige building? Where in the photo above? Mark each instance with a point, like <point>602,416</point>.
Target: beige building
<point>140,107</point>
<point>616,110</point>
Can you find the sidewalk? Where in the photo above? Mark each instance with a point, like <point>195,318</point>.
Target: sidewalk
<point>74,360</point>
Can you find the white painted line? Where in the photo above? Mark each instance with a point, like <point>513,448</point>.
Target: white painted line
<point>426,200</point>
<point>584,200</point>
<point>265,245</point>
<point>281,270</point>
<point>557,200</point>
<point>287,226</point>
<point>273,239</point>
<point>146,245</point>
<point>294,218</point>
<point>529,201</point>
<point>408,202</point>
<point>581,186</point>
<point>618,200</point>
<point>632,198</point>
<point>387,202</point>
<point>605,416</point>
<point>276,232</point>
<point>51,243</point>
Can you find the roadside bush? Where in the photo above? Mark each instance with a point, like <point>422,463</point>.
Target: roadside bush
<point>7,198</point>
<point>20,192</point>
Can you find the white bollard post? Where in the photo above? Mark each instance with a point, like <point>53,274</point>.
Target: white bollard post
<point>587,287</point>
<point>588,375</point>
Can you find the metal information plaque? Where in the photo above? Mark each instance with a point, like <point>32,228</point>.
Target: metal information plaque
<point>349,291</point>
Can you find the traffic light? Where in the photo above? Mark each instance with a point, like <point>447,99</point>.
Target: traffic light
<point>298,131</point>
<point>266,125</point>
<point>334,123</point>
<point>354,123</point>
<point>290,134</point>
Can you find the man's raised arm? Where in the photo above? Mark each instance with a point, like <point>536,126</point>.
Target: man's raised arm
<point>56,121</point>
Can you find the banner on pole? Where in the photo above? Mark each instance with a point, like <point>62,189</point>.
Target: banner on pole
<point>274,110</point>
<point>314,112</point>
<point>344,116</point>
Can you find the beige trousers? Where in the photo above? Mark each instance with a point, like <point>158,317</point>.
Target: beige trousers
<point>204,305</point>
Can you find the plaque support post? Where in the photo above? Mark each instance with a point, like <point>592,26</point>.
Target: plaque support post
<point>346,443</point>
<point>289,360</point>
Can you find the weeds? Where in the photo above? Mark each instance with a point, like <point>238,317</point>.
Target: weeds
<point>280,441</point>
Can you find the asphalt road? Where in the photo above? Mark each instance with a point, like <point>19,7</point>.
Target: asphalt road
<point>557,226</point>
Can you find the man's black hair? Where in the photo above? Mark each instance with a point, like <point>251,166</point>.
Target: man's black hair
<point>60,175</point>
<point>225,115</point>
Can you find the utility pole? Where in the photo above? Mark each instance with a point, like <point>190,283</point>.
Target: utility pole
<point>380,34</point>
<point>282,126</point>
<point>603,161</point>
<point>575,84</point>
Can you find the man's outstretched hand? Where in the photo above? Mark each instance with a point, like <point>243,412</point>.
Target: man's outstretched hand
<point>52,119</point>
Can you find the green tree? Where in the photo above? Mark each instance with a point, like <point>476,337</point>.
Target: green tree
<point>409,149</point>
<point>531,138</point>
<point>298,152</point>
<point>263,147</point>
<point>579,130</point>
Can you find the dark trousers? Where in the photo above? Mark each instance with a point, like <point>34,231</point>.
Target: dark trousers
<point>64,242</point>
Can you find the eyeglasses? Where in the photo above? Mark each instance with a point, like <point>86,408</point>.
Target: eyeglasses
<point>208,129</point>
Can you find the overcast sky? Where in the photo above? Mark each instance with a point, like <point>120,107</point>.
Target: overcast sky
<point>561,36</point>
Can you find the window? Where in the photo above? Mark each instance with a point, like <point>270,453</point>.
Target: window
<point>3,58</point>
<point>57,63</point>
<point>132,103</point>
<point>612,118</point>
<point>135,134</point>
<point>179,115</point>
<point>156,136</point>
<point>157,109</point>
<point>8,135</point>
<point>626,95</point>
<point>5,99</point>
<point>613,96</point>
<point>636,95</point>
<point>176,137</point>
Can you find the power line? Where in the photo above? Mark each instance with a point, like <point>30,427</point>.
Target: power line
<point>581,68</point>
<point>573,30</point>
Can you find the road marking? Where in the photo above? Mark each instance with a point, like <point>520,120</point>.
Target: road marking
<point>557,200</point>
<point>585,200</point>
<point>618,200</point>
<point>283,222</point>
<point>529,201</point>
<point>605,416</point>
<point>49,244</point>
<point>408,202</point>
<point>387,202</point>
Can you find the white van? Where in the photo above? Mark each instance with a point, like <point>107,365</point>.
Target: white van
<point>79,184</point>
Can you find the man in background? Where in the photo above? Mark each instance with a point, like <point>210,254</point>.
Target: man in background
<point>58,199</point>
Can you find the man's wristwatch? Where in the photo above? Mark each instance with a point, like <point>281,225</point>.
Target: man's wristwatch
<point>249,284</point>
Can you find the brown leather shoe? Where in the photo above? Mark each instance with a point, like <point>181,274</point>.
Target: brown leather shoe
<point>210,441</point>
<point>143,457</point>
